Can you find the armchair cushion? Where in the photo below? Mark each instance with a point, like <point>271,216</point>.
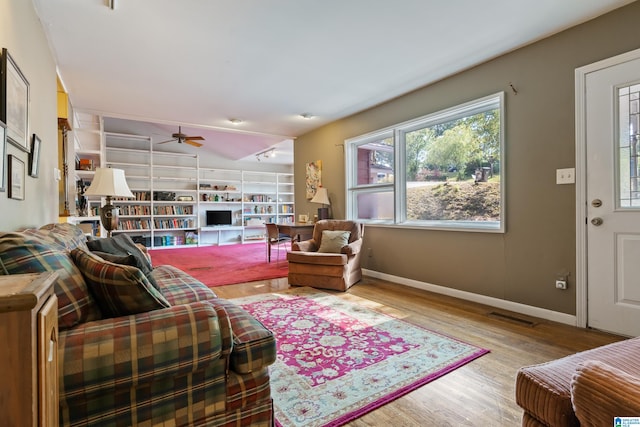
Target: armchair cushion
<point>600,392</point>
<point>544,391</point>
<point>333,241</point>
<point>120,290</point>
<point>317,258</point>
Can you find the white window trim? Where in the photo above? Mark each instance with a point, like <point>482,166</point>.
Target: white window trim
<point>399,184</point>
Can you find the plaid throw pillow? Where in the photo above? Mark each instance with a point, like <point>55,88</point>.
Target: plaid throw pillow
<point>121,244</point>
<point>119,290</point>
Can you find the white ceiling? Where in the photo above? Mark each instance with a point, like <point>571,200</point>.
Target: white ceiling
<point>199,63</point>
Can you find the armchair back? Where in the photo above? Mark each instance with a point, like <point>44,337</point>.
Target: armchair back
<point>356,229</point>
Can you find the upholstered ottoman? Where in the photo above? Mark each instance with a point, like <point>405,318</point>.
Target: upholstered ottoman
<point>571,391</point>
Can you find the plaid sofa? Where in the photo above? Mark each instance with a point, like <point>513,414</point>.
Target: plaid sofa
<point>200,361</point>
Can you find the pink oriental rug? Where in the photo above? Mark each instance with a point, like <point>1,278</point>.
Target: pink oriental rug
<point>338,360</point>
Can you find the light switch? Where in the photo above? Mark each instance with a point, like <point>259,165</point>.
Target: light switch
<point>566,176</point>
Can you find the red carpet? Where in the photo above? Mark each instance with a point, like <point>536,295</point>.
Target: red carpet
<point>225,265</point>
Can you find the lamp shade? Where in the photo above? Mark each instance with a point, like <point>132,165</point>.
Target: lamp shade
<point>109,182</point>
<point>321,196</point>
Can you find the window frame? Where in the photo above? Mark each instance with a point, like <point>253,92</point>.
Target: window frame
<point>398,131</point>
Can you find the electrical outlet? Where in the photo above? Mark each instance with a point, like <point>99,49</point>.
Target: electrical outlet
<point>566,176</point>
<point>561,284</point>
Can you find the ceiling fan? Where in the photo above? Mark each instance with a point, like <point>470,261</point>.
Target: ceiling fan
<point>182,138</point>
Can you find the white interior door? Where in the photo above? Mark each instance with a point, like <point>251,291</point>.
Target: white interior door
<point>613,197</point>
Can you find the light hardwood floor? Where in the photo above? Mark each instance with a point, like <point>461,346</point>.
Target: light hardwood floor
<point>480,393</point>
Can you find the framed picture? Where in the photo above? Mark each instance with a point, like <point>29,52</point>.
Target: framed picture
<point>34,156</point>
<point>16,178</point>
<point>3,155</point>
<point>14,102</point>
<point>313,177</point>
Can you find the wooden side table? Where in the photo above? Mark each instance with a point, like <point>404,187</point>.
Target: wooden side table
<point>28,350</point>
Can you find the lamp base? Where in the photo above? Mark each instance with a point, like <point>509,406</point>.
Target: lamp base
<point>323,213</point>
<point>109,216</point>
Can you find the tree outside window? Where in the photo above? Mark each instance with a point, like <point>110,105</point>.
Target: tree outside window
<point>452,170</point>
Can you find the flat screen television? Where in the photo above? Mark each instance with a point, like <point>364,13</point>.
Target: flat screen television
<point>218,218</point>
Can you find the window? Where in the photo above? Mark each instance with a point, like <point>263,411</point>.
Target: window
<point>444,170</point>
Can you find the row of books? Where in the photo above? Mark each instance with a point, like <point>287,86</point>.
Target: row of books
<point>162,224</point>
<point>171,240</point>
<point>174,223</point>
<point>139,195</point>
<point>160,240</point>
<point>134,210</point>
<point>173,210</point>
<point>137,224</point>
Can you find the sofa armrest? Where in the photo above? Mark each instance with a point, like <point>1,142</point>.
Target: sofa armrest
<point>600,392</point>
<point>129,350</point>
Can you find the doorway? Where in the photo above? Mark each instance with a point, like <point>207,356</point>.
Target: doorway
<point>608,194</point>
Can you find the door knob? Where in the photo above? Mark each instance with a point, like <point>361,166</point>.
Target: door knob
<point>597,221</point>
<point>596,203</point>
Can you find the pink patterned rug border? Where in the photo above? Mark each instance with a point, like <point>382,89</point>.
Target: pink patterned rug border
<point>401,392</point>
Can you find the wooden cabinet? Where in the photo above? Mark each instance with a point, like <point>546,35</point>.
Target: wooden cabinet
<point>29,350</point>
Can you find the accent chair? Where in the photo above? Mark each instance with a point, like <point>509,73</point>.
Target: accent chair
<point>330,259</point>
<point>274,237</point>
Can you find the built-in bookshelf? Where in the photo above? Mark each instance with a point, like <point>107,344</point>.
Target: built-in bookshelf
<point>83,160</point>
<point>253,198</point>
<point>173,192</point>
<point>164,186</point>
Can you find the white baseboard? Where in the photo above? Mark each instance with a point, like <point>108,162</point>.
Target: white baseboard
<point>516,307</point>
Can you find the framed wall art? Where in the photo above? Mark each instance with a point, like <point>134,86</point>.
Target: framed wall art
<point>14,102</point>
<point>16,178</point>
<point>3,155</point>
<point>313,178</point>
<point>34,156</point>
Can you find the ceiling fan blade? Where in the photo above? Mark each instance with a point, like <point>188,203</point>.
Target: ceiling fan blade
<point>195,144</point>
<point>164,142</point>
<point>194,138</point>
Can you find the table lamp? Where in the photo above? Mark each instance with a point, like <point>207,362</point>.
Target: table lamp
<point>322,197</point>
<point>110,183</point>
